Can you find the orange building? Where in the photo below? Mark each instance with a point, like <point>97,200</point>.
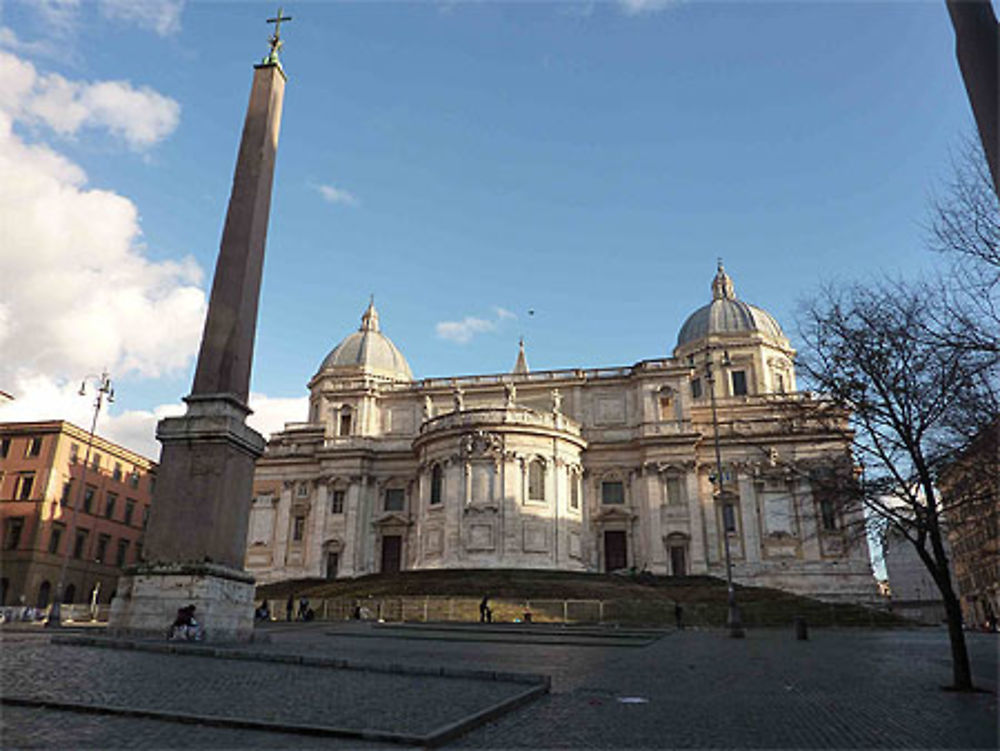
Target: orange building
<point>42,479</point>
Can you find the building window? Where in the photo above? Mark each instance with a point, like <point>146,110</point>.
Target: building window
<point>145,516</point>
<point>109,508</point>
<point>345,421</point>
<point>95,462</point>
<point>67,489</point>
<point>437,483</point>
<point>81,541</point>
<point>574,490</point>
<point>675,491</point>
<point>4,447</point>
<point>696,388</point>
<point>116,474</point>
<point>102,548</point>
<point>666,408</point>
<point>74,453</point>
<point>34,447</point>
<point>129,510</point>
<point>12,532</point>
<point>88,498</point>
<point>739,379</point>
<point>337,504</point>
<point>536,480</point>
<point>55,537</point>
<point>298,528</point>
<point>121,553</point>
<point>395,499</point>
<point>133,479</point>
<point>729,517</point>
<point>303,490</point>
<point>25,482</point>
<point>828,512</point>
<point>779,383</point>
<point>613,493</point>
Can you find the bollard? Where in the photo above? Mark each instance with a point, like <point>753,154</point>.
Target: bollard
<point>801,630</point>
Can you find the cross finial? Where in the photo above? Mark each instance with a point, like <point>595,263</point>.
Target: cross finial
<point>275,39</point>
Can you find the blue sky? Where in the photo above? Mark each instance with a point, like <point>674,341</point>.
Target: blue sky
<point>588,161</point>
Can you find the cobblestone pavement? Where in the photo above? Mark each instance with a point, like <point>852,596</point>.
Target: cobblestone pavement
<point>696,689</point>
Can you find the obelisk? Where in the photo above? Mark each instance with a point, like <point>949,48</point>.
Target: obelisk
<point>196,538</point>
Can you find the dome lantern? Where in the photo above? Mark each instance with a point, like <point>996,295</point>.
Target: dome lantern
<point>369,350</point>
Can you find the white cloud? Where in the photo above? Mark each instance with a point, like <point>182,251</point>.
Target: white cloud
<point>333,194</point>
<point>76,291</point>
<point>140,116</point>
<point>504,314</point>
<point>636,7</point>
<point>463,331</point>
<point>160,16</point>
<point>11,41</point>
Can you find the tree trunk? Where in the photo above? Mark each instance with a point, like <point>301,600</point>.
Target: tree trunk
<point>960,668</point>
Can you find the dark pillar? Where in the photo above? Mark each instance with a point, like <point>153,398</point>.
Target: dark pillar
<point>196,539</point>
<point>976,46</point>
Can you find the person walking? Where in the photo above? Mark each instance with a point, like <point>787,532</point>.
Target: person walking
<point>289,607</point>
<point>679,615</point>
<point>485,614</point>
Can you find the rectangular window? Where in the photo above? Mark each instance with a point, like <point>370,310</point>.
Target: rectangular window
<point>109,507</point>
<point>779,383</point>
<point>88,498</point>
<point>121,553</point>
<point>696,388</point>
<point>729,517</point>
<point>55,537</point>
<point>828,511</point>
<point>613,493</point>
<point>675,491</point>
<point>116,474</point>
<point>536,480</point>
<point>80,543</point>
<point>574,491</point>
<point>67,489</point>
<point>298,528</point>
<point>34,447</point>
<point>133,479</point>
<point>739,378</point>
<point>74,453</point>
<point>303,490</point>
<point>145,516</point>
<point>395,499</point>
<point>345,424</point>
<point>12,532</point>
<point>129,510</point>
<point>95,462</point>
<point>25,482</point>
<point>4,447</point>
<point>337,505</point>
<point>102,548</point>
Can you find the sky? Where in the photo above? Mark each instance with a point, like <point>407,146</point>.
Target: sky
<point>466,163</point>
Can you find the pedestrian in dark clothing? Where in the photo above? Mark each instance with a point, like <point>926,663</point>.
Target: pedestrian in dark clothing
<point>679,615</point>
<point>289,607</point>
<point>485,614</point>
<point>303,608</point>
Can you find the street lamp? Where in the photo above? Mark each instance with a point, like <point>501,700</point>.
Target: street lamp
<point>733,619</point>
<point>102,383</point>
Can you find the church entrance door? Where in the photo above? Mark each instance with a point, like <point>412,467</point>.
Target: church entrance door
<point>615,550</point>
<point>332,561</point>
<point>678,562</point>
<point>392,547</point>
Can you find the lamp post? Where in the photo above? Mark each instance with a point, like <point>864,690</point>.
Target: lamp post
<point>733,619</point>
<point>104,389</point>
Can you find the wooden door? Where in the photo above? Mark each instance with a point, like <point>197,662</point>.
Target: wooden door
<point>678,561</point>
<point>615,550</point>
<point>392,548</point>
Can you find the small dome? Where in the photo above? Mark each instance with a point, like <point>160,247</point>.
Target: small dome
<point>727,315</point>
<point>370,349</point>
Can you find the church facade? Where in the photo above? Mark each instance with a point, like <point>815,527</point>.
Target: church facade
<point>587,469</point>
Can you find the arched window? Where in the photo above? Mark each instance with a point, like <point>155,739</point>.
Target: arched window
<point>536,480</point>
<point>69,594</point>
<point>437,481</point>
<point>44,592</point>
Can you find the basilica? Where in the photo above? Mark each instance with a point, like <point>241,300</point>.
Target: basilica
<point>585,469</point>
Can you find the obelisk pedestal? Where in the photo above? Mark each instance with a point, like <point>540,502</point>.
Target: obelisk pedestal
<point>196,539</point>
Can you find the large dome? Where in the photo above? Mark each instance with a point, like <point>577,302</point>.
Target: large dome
<point>727,315</point>
<point>370,349</point>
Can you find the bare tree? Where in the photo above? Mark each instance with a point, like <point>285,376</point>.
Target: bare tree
<point>913,404</point>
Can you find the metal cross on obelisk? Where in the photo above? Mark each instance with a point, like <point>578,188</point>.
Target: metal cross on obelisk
<point>275,39</point>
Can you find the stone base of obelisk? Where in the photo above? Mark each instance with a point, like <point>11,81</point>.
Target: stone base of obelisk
<point>149,596</point>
